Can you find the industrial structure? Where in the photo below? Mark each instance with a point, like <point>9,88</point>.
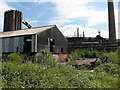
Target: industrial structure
<point>12,20</point>
<point>97,42</point>
<point>31,40</point>
<point>111,18</point>
<point>34,40</point>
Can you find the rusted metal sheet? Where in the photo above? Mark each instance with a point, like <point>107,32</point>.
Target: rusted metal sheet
<point>62,57</point>
<point>86,61</point>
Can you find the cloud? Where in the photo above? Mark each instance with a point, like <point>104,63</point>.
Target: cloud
<point>59,21</point>
<point>21,6</point>
<point>42,1</point>
<point>71,29</point>
<point>78,9</point>
<point>68,10</point>
<point>34,21</point>
<point>3,8</point>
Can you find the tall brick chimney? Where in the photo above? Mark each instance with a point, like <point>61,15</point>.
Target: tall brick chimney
<point>111,19</point>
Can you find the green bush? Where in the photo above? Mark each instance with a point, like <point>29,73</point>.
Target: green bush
<point>98,62</point>
<point>16,57</point>
<point>113,57</point>
<point>51,74</point>
<point>83,53</point>
<point>109,57</point>
<point>46,58</point>
<point>118,53</point>
<point>30,75</point>
<point>108,68</point>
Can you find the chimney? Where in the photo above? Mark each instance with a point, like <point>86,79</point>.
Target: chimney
<point>77,32</point>
<point>111,19</point>
<point>12,20</point>
<point>83,34</point>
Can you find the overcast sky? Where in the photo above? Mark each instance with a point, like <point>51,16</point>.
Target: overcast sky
<point>89,16</point>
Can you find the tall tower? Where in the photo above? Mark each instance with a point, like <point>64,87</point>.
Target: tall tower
<point>12,20</point>
<point>111,19</point>
<point>77,32</point>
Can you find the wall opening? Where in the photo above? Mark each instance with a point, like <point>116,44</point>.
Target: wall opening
<point>61,50</point>
<point>52,44</point>
<point>27,43</point>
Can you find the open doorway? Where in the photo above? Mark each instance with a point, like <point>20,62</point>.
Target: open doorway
<point>52,44</point>
<point>27,43</point>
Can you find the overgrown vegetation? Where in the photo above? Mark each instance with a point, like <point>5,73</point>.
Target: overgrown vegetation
<point>20,71</point>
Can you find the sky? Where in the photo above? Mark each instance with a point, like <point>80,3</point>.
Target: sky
<point>89,16</point>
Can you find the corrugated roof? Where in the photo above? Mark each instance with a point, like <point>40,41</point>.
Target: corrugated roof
<point>25,31</point>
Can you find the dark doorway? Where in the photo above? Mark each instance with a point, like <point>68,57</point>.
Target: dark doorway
<point>52,44</point>
<point>61,50</point>
<point>27,43</point>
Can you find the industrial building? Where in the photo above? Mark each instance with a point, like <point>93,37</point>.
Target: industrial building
<point>31,40</point>
<point>97,42</point>
<point>34,40</point>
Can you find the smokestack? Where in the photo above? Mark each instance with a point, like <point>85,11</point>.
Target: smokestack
<point>83,34</point>
<point>111,19</point>
<point>77,32</point>
<point>12,20</point>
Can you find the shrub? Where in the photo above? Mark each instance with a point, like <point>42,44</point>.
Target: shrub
<point>98,62</point>
<point>113,57</point>
<point>83,53</point>
<point>51,74</point>
<point>46,58</point>
<point>16,57</point>
<point>118,52</point>
<point>109,57</point>
<point>108,68</point>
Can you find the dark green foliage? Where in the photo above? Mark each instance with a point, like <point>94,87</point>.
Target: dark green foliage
<point>110,57</point>
<point>83,53</point>
<point>118,53</point>
<point>16,57</point>
<point>18,73</point>
<point>108,68</point>
<point>29,75</point>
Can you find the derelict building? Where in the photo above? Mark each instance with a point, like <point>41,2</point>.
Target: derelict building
<point>32,40</point>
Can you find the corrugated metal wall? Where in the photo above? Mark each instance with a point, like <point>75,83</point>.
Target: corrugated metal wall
<point>54,33</point>
<point>34,47</point>
<point>51,40</point>
<point>16,44</point>
<point>12,44</point>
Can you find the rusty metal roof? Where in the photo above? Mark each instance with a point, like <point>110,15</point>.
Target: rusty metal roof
<point>26,31</point>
